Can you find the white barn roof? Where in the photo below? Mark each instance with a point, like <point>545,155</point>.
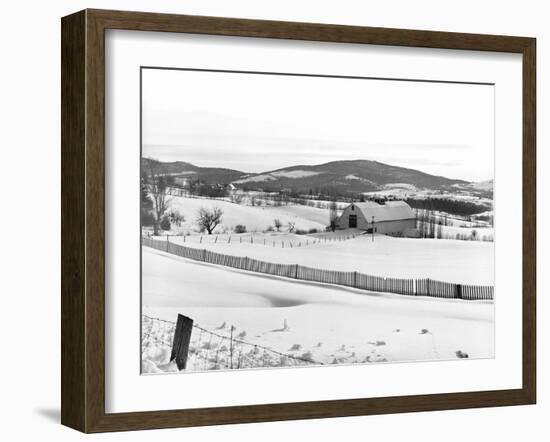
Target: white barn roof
<point>390,211</point>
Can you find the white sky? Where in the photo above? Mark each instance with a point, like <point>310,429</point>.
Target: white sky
<point>256,123</point>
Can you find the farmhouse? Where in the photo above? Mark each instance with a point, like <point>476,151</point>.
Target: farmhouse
<point>395,218</point>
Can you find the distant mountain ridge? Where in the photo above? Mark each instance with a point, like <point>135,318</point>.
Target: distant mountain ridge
<point>211,175</point>
<point>340,176</point>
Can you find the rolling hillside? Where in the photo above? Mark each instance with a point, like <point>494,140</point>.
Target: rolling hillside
<point>345,176</point>
<point>333,177</point>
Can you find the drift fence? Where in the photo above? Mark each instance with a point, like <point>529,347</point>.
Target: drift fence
<point>411,287</point>
<point>196,348</point>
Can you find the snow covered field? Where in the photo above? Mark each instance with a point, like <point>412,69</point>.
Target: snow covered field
<point>254,218</point>
<point>329,324</point>
<point>467,262</point>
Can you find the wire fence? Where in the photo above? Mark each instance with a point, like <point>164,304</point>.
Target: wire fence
<point>221,349</point>
<point>411,287</point>
<point>228,238</point>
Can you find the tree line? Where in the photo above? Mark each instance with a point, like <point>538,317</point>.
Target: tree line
<point>455,207</point>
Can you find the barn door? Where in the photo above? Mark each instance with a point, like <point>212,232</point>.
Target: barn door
<point>352,221</point>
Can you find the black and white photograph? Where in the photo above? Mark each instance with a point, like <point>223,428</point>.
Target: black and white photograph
<point>302,219</point>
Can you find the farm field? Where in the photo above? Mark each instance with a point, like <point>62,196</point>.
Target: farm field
<point>466,262</point>
<point>255,218</point>
<point>329,324</point>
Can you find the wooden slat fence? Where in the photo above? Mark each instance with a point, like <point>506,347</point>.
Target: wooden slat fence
<point>326,276</point>
<point>473,292</point>
<point>411,287</point>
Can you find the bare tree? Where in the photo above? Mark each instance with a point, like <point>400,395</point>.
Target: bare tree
<point>278,224</point>
<point>209,219</point>
<point>291,227</point>
<point>333,216</point>
<point>157,185</point>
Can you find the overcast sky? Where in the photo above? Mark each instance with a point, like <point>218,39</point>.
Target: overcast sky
<point>256,123</point>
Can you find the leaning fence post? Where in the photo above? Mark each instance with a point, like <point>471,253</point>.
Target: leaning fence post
<point>182,338</point>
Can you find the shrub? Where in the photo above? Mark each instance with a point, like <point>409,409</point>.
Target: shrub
<point>301,232</point>
<point>313,230</point>
<point>165,223</point>
<point>177,218</point>
<point>240,228</point>
<point>269,229</point>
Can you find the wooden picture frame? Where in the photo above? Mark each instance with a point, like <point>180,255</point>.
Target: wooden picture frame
<point>83,220</point>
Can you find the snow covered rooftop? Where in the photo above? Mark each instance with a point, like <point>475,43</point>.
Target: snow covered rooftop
<point>390,211</point>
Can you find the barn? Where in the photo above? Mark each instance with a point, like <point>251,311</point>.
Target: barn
<point>395,218</point>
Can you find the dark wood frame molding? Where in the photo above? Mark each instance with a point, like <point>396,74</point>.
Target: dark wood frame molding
<point>83,217</point>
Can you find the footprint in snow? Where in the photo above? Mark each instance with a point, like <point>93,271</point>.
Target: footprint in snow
<point>377,343</point>
<point>424,331</point>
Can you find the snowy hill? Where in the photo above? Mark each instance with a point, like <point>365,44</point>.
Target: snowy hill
<point>340,176</point>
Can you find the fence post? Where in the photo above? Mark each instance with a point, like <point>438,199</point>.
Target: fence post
<point>458,291</point>
<point>427,286</point>
<point>182,337</point>
<point>167,242</point>
<point>355,279</point>
<point>204,255</point>
<point>296,272</point>
<point>231,348</point>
